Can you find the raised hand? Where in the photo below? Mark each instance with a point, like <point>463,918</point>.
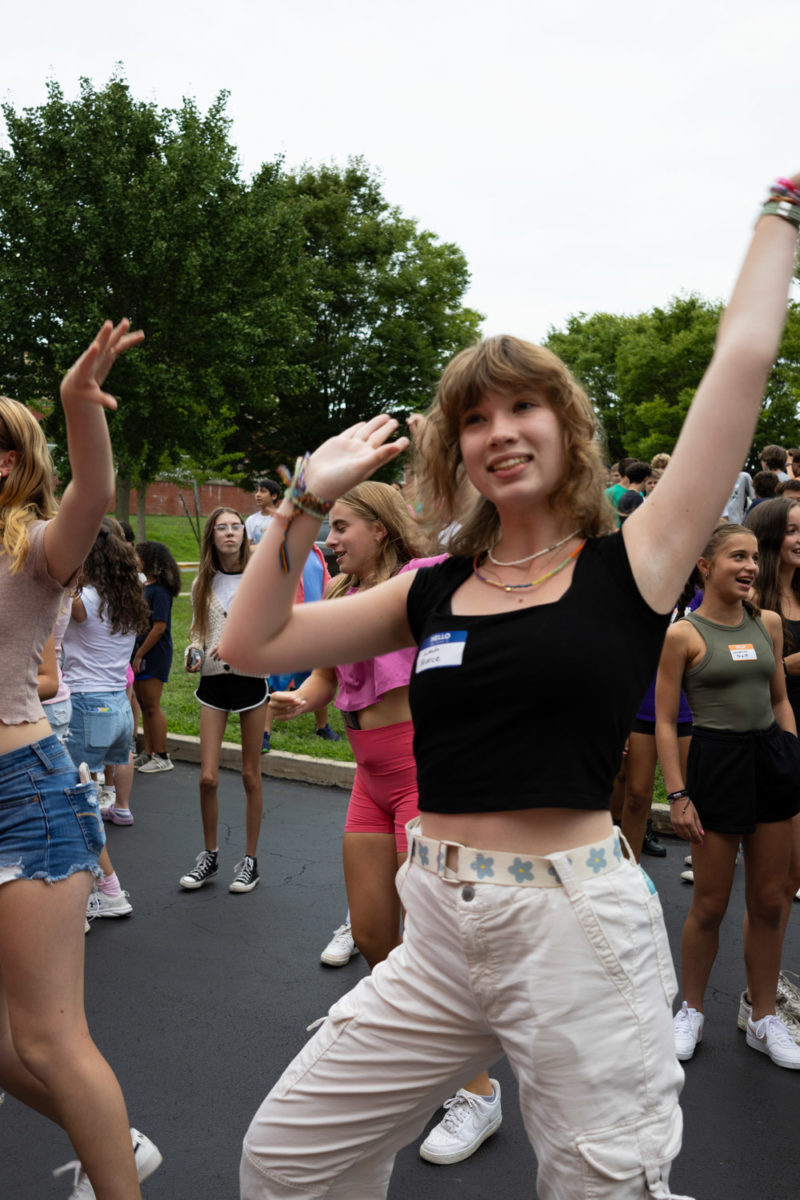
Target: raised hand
<point>353,456</point>
<point>84,380</point>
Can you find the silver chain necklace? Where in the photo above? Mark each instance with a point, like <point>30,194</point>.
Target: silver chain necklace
<point>518,562</point>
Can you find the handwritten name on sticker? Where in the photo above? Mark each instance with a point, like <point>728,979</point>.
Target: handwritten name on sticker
<point>742,651</point>
<point>442,650</point>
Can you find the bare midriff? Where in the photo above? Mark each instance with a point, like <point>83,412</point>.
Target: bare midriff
<point>391,709</point>
<point>14,736</point>
<point>524,831</point>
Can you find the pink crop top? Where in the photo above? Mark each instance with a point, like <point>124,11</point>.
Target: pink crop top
<point>30,602</point>
<point>364,683</point>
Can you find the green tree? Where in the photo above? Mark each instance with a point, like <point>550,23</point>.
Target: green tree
<point>111,207</point>
<point>384,310</point>
<point>641,373</point>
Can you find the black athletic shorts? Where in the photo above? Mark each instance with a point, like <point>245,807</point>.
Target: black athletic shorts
<point>739,780</point>
<point>232,693</point>
<point>649,727</point>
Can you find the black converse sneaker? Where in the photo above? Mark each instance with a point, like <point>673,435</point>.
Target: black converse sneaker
<point>205,868</point>
<point>245,875</point>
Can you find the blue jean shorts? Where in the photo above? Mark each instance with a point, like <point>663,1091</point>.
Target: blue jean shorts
<point>100,729</point>
<point>50,825</point>
<point>59,716</point>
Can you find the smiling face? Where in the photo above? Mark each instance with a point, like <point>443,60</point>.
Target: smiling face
<point>733,569</point>
<point>355,542</point>
<point>790,546</point>
<point>512,447</point>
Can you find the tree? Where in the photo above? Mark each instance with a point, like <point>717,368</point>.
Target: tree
<point>384,310</point>
<point>110,207</point>
<point>641,373</point>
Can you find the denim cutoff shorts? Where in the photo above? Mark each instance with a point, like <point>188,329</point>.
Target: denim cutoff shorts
<point>100,729</point>
<point>50,825</point>
<point>59,716</point>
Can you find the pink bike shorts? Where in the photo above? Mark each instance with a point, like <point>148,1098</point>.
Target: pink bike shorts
<point>384,796</point>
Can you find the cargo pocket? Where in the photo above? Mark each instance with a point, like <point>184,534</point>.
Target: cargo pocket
<point>83,799</point>
<point>333,1026</point>
<point>628,1162</point>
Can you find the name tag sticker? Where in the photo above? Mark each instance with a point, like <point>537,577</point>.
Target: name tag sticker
<point>742,651</point>
<point>442,650</point>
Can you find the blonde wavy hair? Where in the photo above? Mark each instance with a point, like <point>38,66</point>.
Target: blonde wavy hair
<point>26,494</point>
<point>379,502</point>
<point>507,364</point>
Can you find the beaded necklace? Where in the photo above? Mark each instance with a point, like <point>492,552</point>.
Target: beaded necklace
<point>518,562</point>
<point>517,587</point>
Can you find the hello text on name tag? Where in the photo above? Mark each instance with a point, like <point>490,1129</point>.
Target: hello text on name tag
<point>442,650</point>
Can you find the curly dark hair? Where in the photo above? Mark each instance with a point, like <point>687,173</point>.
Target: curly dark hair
<point>110,566</point>
<point>159,566</point>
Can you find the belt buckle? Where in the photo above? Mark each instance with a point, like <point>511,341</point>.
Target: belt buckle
<point>443,871</point>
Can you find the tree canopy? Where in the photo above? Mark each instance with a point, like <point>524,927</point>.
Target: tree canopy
<point>274,309</point>
<point>641,373</point>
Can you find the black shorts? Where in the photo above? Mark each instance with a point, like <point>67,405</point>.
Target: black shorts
<point>232,693</point>
<point>739,780</point>
<point>649,727</point>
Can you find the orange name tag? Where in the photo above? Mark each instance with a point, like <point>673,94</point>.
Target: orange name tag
<point>742,651</point>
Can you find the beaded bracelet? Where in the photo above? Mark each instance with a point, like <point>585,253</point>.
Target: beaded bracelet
<point>673,796</point>
<point>782,208</point>
<point>301,500</point>
<point>788,186</point>
<point>299,496</point>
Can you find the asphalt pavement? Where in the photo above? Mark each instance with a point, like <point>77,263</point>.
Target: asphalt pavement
<point>199,1000</point>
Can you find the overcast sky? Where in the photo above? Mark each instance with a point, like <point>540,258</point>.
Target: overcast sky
<point>585,156</point>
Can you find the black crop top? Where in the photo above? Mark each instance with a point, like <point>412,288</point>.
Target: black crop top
<point>529,709</point>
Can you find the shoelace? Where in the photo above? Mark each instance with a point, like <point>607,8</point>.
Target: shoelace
<point>204,863</point>
<point>78,1177</point>
<point>457,1109</point>
<point>684,1021</point>
<point>776,1027</point>
<point>342,935</point>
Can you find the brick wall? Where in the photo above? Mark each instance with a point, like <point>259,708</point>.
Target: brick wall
<point>163,499</point>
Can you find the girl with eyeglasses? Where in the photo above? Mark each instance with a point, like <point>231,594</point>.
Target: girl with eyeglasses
<point>224,554</point>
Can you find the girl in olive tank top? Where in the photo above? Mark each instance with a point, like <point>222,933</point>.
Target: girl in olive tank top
<point>739,786</point>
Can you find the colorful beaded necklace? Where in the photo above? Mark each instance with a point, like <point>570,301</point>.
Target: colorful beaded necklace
<point>518,587</point>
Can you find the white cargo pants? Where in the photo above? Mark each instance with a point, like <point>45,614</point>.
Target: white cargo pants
<point>573,983</point>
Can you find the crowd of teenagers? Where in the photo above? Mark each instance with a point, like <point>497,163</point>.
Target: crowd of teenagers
<point>500,908</point>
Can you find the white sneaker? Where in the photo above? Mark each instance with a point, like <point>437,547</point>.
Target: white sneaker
<point>101,905</point>
<point>770,1036</point>
<point>688,875</point>
<point>341,948</point>
<point>687,1029</point>
<point>468,1121</point>
<point>687,862</point>
<point>156,762</point>
<point>146,1153</point>
<point>140,759</point>
<point>788,997</point>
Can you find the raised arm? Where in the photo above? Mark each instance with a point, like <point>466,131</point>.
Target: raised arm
<point>264,632</point>
<point>667,533</point>
<point>70,535</point>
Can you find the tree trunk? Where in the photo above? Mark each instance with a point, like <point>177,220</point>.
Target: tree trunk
<point>122,510</point>
<point>141,510</point>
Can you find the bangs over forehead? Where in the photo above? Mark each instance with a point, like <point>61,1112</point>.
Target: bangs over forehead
<point>508,364</point>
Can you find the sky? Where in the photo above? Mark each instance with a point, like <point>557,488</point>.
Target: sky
<point>586,157</point>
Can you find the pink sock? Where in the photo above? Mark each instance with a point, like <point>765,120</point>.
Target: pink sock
<point>109,885</point>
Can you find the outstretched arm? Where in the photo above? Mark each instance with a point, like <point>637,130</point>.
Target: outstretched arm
<point>264,633</point>
<point>70,535</point>
<point>665,536</point>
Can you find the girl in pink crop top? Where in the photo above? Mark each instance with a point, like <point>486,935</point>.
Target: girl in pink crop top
<point>49,846</point>
<point>529,931</point>
<point>373,538</point>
